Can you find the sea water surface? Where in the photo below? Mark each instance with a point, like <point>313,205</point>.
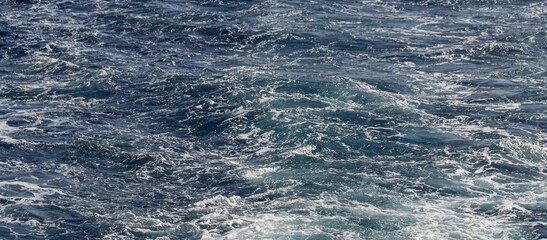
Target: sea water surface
<point>273,119</point>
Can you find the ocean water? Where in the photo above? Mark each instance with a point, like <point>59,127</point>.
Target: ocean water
<point>273,119</point>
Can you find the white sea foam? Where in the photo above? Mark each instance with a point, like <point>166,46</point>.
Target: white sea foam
<point>5,131</point>
<point>258,172</point>
<point>38,192</point>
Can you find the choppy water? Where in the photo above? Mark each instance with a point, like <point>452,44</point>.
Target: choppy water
<point>274,119</point>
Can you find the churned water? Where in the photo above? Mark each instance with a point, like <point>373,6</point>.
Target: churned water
<point>273,119</point>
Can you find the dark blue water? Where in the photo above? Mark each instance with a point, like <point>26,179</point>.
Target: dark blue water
<point>274,119</point>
